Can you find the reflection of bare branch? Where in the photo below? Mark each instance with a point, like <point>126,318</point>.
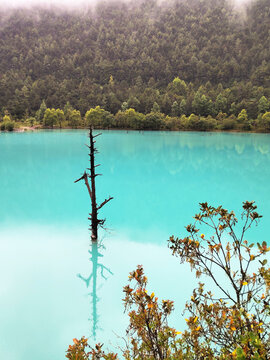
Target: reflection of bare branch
<point>86,280</point>
<point>102,271</point>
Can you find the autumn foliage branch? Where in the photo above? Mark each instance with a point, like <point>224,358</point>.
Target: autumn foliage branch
<point>229,322</point>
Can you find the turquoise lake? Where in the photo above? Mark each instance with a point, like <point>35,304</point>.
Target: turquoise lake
<point>157,179</point>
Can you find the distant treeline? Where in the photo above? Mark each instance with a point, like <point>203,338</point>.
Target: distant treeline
<point>129,118</point>
<point>198,57</point>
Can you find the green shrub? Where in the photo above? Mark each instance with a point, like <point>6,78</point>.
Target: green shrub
<point>242,116</point>
<point>173,123</point>
<point>210,123</point>
<point>228,124</point>
<point>154,121</point>
<point>200,123</point>
<point>193,122</point>
<point>96,117</point>
<point>266,121</point>
<point>30,121</point>
<point>7,125</point>
<point>130,119</point>
<point>246,126</point>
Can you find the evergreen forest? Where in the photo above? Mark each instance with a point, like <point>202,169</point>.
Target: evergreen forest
<point>197,64</point>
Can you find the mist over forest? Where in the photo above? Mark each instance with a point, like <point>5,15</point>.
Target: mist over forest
<point>69,4</point>
<point>126,52</point>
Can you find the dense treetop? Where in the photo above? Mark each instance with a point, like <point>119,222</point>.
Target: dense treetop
<point>182,53</point>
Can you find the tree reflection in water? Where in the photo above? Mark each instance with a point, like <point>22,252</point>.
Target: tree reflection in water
<point>98,271</point>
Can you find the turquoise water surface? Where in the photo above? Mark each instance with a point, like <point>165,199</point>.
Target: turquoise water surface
<point>52,288</point>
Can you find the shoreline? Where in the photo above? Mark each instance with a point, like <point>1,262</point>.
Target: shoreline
<point>39,128</point>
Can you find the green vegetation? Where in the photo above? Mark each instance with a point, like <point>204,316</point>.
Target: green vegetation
<point>131,119</point>
<point>7,124</point>
<point>164,61</point>
<point>230,321</point>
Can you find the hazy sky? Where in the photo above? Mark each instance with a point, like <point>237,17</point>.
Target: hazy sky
<point>69,3</point>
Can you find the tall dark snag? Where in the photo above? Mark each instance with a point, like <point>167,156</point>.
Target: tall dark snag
<point>95,221</point>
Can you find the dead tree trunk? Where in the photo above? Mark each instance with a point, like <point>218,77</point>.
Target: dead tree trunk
<point>95,222</point>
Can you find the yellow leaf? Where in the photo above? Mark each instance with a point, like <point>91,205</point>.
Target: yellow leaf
<point>196,318</point>
<point>152,295</point>
<point>244,283</point>
<point>233,328</point>
<point>178,332</point>
<point>198,328</point>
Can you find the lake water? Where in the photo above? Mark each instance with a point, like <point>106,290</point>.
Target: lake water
<point>52,288</point>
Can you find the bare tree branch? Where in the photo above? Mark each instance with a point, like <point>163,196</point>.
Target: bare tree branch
<point>104,202</point>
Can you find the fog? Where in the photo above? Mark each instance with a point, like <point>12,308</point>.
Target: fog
<point>11,4</point>
<point>46,3</point>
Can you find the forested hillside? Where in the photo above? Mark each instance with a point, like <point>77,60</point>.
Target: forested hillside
<point>183,57</point>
